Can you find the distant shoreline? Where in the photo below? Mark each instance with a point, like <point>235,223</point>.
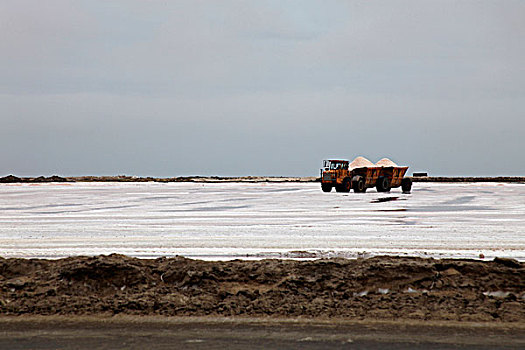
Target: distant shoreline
<point>247,179</point>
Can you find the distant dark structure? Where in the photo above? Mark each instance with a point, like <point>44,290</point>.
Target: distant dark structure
<point>420,174</point>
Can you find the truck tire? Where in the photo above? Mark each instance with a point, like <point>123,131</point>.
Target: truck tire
<point>383,184</point>
<point>341,187</point>
<point>406,185</point>
<point>326,187</point>
<point>347,185</point>
<point>358,184</point>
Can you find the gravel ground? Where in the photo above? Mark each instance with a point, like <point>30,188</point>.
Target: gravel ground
<point>248,333</point>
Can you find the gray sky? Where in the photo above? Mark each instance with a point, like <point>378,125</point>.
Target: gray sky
<point>168,88</point>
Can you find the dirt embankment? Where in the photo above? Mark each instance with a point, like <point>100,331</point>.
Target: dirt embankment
<point>16,179</point>
<point>125,178</point>
<point>222,179</point>
<point>375,288</point>
<point>506,179</point>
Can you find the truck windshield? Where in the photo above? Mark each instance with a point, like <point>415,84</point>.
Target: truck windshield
<point>338,165</point>
<point>331,165</point>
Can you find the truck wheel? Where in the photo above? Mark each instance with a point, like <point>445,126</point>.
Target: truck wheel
<point>347,185</point>
<point>406,185</point>
<point>358,184</point>
<point>326,187</point>
<point>383,184</point>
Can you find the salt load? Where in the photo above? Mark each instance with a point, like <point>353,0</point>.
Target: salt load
<point>385,162</point>
<point>361,162</point>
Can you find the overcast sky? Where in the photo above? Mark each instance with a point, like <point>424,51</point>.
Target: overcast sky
<point>169,88</point>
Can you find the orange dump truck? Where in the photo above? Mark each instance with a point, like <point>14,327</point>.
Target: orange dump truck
<point>361,174</point>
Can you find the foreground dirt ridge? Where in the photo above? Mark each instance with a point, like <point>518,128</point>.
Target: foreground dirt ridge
<point>221,179</point>
<point>386,288</point>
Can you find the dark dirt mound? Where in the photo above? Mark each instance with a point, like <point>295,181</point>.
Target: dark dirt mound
<point>379,287</point>
<point>53,178</point>
<point>10,179</point>
<point>15,179</point>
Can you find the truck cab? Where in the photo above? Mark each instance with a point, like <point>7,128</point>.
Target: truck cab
<point>335,173</point>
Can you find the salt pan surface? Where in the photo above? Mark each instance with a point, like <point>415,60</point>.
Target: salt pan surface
<point>254,220</point>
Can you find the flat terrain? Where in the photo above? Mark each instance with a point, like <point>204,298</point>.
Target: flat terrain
<point>260,220</point>
<point>249,333</point>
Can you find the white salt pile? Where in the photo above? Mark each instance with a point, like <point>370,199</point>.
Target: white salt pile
<point>385,162</point>
<point>361,162</point>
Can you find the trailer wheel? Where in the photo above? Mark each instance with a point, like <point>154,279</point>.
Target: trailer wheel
<point>406,185</point>
<point>326,187</point>
<point>358,184</point>
<point>383,184</point>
